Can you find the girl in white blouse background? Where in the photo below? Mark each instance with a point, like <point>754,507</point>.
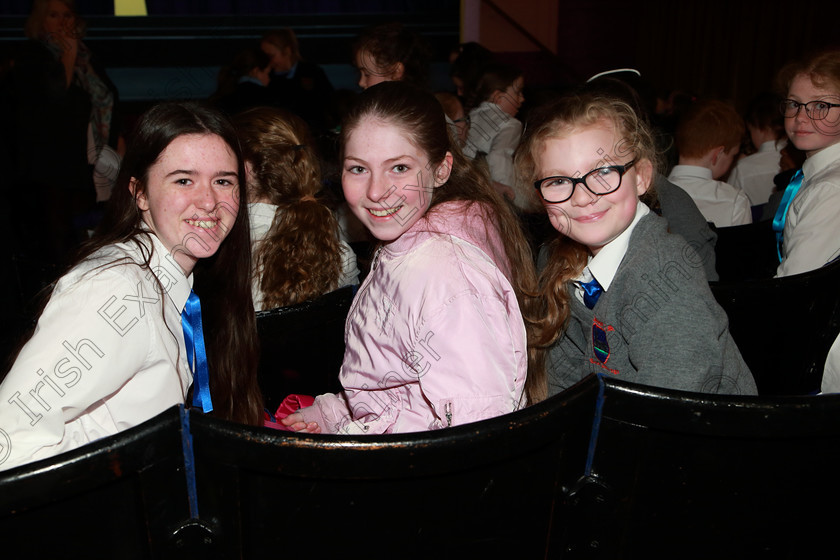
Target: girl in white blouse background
<point>495,131</point>
<point>108,351</point>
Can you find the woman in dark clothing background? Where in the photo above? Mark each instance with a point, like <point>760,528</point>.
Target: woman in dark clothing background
<point>61,124</point>
<point>60,150</point>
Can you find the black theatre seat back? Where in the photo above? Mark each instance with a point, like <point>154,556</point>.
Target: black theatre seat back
<point>302,347</point>
<point>687,475</point>
<point>746,252</point>
<point>490,489</point>
<point>784,327</point>
<point>124,496</point>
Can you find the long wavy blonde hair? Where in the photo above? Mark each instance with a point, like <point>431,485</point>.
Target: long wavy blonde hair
<point>559,119</point>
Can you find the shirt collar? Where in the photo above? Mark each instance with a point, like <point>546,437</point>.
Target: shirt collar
<point>170,274</point>
<point>286,75</point>
<point>772,146</point>
<point>604,265</point>
<point>691,171</point>
<point>821,160</point>
<point>251,79</point>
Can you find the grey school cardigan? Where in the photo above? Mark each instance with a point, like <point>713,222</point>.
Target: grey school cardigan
<point>658,324</point>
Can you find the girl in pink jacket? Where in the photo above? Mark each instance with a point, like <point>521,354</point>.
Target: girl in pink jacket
<point>435,336</point>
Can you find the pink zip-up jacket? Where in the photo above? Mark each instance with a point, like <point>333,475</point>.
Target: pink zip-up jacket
<point>434,337</point>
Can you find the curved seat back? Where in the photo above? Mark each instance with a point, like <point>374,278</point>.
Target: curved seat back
<point>302,347</point>
<point>490,489</point>
<point>689,475</point>
<point>124,496</point>
<point>784,327</point>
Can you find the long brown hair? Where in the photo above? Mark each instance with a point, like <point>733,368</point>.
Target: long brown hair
<point>419,114</point>
<point>300,258</point>
<point>559,119</point>
<point>222,280</point>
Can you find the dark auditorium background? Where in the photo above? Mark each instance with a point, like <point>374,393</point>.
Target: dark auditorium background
<point>729,50</point>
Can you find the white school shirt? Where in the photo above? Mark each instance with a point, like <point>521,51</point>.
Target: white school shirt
<point>107,354</point>
<point>831,374</point>
<point>604,265</point>
<point>261,216</point>
<point>812,227</point>
<point>496,134</point>
<point>719,202</point>
<point>754,174</point>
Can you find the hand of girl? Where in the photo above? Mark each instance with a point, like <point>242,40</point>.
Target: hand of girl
<point>296,422</point>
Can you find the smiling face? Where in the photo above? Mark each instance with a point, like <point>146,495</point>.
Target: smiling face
<point>807,134</point>
<point>589,219</point>
<point>191,197</point>
<point>388,182</point>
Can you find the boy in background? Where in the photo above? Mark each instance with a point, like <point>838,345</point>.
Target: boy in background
<point>708,140</point>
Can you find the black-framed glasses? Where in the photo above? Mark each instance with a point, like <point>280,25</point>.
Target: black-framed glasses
<point>602,180</point>
<point>816,110</point>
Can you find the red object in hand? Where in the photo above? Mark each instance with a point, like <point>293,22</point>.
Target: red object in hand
<point>289,405</point>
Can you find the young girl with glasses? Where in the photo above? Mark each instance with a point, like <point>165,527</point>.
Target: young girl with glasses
<point>435,336</point>
<point>621,295</point>
<point>807,216</point>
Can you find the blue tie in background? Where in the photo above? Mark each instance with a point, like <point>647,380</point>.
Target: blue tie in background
<point>194,338</point>
<point>591,292</point>
<point>781,213</point>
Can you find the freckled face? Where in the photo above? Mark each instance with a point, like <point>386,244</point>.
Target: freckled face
<point>807,134</point>
<point>191,198</point>
<point>388,182</point>
<point>590,219</point>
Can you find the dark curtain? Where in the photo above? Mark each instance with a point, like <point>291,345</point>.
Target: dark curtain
<point>729,50</point>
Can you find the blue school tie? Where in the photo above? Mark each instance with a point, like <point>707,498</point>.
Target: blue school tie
<point>591,292</point>
<point>194,338</point>
<point>781,213</point>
